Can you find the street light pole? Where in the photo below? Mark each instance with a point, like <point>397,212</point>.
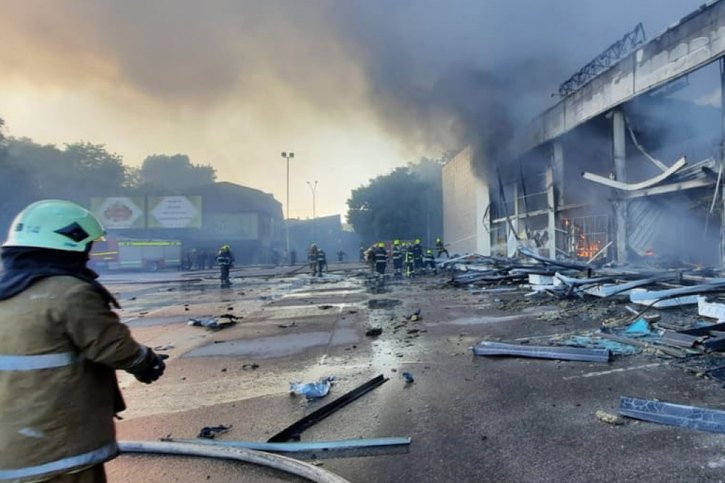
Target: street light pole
<point>313,188</point>
<point>287,156</point>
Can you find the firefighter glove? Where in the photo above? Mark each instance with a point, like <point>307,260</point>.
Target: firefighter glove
<point>151,368</point>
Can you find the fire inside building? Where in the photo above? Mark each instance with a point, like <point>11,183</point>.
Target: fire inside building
<point>626,167</point>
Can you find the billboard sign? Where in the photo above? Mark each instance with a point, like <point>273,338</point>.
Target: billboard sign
<point>174,212</point>
<point>119,213</point>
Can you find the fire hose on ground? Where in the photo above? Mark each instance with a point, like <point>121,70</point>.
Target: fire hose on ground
<point>277,462</point>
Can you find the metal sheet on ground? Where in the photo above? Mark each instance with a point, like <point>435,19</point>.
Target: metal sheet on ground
<point>701,419</point>
<point>486,348</point>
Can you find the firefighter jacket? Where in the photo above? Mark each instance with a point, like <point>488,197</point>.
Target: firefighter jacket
<point>397,253</point>
<point>417,251</point>
<point>321,258</point>
<point>59,346</point>
<point>225,259</point>
<point>381,256</point>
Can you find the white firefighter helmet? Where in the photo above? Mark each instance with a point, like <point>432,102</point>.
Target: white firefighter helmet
<point>54,224</point>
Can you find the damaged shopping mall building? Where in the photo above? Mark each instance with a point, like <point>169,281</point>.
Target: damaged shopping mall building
<point>626,167</point>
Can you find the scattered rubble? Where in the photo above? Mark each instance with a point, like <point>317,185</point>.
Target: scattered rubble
<point>312,390</point>
<point>374,331</point>
<point>216,323</point>
<point>609,418</point>
<point>210,432</point>
<point>584,290</point>
<point>293,431</point>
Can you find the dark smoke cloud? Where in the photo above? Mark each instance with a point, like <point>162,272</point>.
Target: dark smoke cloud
<point>474,72</point>
<point>436,74</point>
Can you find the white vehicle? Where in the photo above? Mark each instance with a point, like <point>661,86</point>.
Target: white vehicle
<point>151,255</point>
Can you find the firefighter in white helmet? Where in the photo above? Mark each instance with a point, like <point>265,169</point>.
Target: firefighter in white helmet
<point>60,344</point>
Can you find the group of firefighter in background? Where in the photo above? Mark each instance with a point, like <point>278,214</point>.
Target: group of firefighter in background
<point>408,258</point>
<point>198,259</point>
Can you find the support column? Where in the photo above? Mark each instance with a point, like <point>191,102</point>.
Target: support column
<point>512,241</point>
<point>722,159</point>
<point>554,192</point>
<point>620,172</point>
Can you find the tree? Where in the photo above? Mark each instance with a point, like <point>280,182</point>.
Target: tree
<point>3,138</point>
<point>402,204</point>
<point>175,173</point>
<point>16,189</point>
<point>76,173</point>
<point>132,178</point>
<point>104,171</point>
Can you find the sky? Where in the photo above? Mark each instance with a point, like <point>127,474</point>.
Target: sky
<point>353,88</point>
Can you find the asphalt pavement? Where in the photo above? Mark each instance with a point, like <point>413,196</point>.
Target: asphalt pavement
<point>470,418</point>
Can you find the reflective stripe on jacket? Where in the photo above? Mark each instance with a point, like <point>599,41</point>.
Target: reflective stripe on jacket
<point>59,346</point>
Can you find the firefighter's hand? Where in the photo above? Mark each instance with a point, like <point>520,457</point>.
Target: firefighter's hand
<point>151,368</point>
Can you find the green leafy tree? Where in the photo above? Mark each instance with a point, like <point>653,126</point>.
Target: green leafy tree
<point>404,204</point>
<point>174,173</point>
<point>132,179</point>
<point>76,173</point>
<point>16,188</point>
<point>104,170</point>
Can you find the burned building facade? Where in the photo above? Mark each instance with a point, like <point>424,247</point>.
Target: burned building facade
<point>626,167</point>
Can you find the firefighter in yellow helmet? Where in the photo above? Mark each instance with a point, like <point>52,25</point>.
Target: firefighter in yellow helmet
<point>225,260</point>
<point>60,344</point>
<point>417,255</point>
<point>441,248</point>
<point>312,258</point>
<point>397,255</point>
<point>381,259</point>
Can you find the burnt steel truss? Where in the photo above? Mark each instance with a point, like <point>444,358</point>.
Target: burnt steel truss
<point>603,61</point>
<point>701,419</point>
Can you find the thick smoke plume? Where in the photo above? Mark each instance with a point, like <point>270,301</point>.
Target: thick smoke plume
<point>434,75</point>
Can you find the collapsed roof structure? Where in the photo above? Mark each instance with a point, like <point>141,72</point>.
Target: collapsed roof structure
<point>627,163</point>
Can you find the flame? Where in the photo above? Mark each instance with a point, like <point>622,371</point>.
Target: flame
<point>583,245</point>
<point>588,250</point>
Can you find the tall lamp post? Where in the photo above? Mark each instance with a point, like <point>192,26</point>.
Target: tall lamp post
<point>313,188</point>
<point>287,156</point>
